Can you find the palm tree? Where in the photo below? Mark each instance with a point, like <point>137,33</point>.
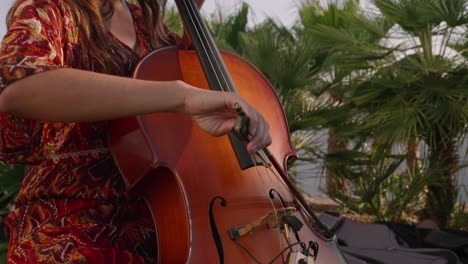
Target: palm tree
<point>340,23</point>
<point>400,93</point>
<point>429,90</point>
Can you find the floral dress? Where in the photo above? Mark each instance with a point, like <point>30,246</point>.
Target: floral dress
<point>72,206</point>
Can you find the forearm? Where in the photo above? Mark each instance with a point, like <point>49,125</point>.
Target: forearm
<point>69,95</point>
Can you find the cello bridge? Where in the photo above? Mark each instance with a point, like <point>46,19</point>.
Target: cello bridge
<point>273,219</point>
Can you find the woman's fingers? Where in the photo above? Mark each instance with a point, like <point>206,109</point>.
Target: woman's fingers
<point>258,132</point>
<point>214,112</point>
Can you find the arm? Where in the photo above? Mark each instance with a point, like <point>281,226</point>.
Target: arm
<point>68,95</point>
<point>71,95</point>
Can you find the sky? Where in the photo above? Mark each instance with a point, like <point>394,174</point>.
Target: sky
<point>284,11</point>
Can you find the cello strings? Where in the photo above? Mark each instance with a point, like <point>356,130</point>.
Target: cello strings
<point>280,179</point>
<point>263,182</point>
<point>221,77</point>
<point>269,198</point>
<point>211,53</point>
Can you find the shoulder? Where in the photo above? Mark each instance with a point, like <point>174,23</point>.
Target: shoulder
<point>40,8</point>
<point>41,19</point>
<point>39,14</point>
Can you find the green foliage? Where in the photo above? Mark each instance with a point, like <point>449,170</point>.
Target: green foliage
<point>3,251</point>
<point>460,214</point>
<point>392,92</point>
<point>173,21</point>
<point>380,186</point>
<point>227,31</point>
<point>10,182</point>
<point>403,101</point>
<point>290,65</point>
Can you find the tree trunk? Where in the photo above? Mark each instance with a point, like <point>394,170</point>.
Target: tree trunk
<point>442,190</point>
<point>413,161</point>
<point>335,185</point>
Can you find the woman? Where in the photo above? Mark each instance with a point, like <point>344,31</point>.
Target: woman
<point>64,67</point>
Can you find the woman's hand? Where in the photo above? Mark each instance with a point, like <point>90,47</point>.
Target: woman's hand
<point>214,112</point>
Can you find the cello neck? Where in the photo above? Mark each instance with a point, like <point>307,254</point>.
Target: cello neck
<point>215,70</point>
<point>213,66</point>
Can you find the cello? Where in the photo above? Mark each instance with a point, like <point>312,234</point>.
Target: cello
<point>210,200</point>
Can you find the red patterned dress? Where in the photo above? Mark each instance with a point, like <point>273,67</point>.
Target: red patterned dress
<point>72,206</point>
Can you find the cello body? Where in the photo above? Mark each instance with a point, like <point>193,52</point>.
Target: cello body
<point>181,170</point>
<point>210,200</point>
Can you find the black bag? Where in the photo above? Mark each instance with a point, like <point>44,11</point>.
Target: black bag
<point>415,237</point>
<point>378,244</point>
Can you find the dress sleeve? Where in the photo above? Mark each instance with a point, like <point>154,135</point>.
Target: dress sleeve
<point>33,43</point>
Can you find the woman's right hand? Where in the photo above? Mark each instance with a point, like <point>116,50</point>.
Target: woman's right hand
<point>214,112</point>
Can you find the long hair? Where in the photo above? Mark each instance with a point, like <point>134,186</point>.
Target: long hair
<point>90,17</point>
